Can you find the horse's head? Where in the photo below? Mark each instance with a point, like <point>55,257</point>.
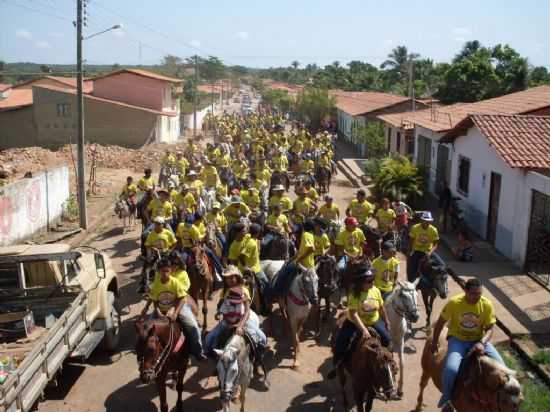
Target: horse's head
<point>228,368</point>
<point>405,300</point>
<point>326,270</point>
<point>310,283</point>
<point>499,384</point>
<point>383,368</point>
<point>437,275</point>
<point>148,350</point>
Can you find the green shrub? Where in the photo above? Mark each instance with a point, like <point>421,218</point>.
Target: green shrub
<point>71,209</point>
<point>542,357</point>
<point>398,177</point>
<point>372,167</point>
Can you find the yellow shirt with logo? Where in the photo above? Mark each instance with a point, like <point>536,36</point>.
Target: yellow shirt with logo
<point>129,189</point>
<point>251,251</point>
<point>183,277</point>
<point>189,235</point>
<point>367,305</point>
<point>352,242</point>
<point>312,194</point>
<point>307,241</point>
<point>385,219</point>
<point>210,176</point>
<point>160,208</point>
<point>385,272</point>
<point>185,202</point>
<point>322,244</point>
<point>361,210</point>
<point>166,294</point>
<point>145,184</point>
<point>302,207</point>
<point>182,165</point>
<point>217,219</point>
<point>280,163</point>
<point>468,322</point>
<point>234,211</point>
<point>423,239</point>
<point>330,213</point>
<point>280,222</point>
<point>201,228</point>
<point>251,199</point>
<point>161,241</point>
<point>284,201</point>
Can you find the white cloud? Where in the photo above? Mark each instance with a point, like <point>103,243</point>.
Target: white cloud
<point>195,43</point>
<point>461,34</point>
<point>58,35</point>
<point>41,44</point>
<point>243,35</point>
<point>23,34</point>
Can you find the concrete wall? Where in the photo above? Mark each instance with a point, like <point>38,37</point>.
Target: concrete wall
<point>391,132</point>
<point>187,119</point>
<point>432,172</point>
<point>31,205</point>
<point>105,123</point>
<point>17,128</point>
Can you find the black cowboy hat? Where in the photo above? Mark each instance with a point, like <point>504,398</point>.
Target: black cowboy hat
<point>364,273</point>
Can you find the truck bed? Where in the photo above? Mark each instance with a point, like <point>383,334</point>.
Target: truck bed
<point>42,353</point>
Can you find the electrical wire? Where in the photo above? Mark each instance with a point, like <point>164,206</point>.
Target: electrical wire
<point>39,11</point>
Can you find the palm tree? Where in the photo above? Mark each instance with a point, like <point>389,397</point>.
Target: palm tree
<point>295,64</point>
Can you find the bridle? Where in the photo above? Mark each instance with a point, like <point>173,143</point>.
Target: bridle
<point>402,312</point>
<point>164,354</point>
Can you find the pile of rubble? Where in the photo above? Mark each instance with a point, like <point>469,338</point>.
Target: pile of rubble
<point>17,162</point>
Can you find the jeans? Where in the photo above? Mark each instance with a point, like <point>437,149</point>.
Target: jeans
<point>252,327</point>
<point>214,259</point>
<point>385,294</point>
<point>191,329</point>
<point>221,238</point>
<point>413,265</point>
<point>283,279</point>
<point>456,351</point>
<point>348,331</point>
<point>266,240</point>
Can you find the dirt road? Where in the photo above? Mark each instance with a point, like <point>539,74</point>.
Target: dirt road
<point>111,382</point>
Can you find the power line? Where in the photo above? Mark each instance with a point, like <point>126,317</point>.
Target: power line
<point>43,12</point>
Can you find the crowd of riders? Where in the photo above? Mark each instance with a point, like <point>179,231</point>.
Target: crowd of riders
<point>232,198</point>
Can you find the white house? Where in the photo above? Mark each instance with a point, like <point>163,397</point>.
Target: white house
<point>431,124</point>
<point>501,171</point>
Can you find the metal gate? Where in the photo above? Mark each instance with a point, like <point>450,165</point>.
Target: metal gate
<point>537,259</point>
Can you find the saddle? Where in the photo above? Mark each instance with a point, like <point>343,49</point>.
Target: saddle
<point>228,333</point>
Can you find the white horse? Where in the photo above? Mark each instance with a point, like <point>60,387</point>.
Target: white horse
<point>122,209</point>
<point>234,370</point>
<point>401,305</point>
<point>303,294</point>
<point>271,267</point>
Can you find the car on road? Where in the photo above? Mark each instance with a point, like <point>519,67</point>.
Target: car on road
<point>56,304</point>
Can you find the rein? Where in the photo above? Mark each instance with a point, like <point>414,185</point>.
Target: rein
<point>295,299</point>
<point>165,353</point>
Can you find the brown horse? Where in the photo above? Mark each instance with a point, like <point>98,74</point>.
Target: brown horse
<point>201,274</point>
<point>326,271</point>
<point>487,386</point>
<point>433,283</point>
<point>322,177</point>
<point>372,371</point>
<point>157,341</point>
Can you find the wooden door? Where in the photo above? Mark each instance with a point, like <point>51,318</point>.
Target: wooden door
<point>494,200</point>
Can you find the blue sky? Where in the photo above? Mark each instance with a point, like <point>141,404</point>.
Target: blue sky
<point>265,33</point>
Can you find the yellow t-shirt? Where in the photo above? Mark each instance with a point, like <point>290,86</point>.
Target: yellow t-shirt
<point>197,185</point>
<point>385,272</point>
<point>312,194</point>
<point>329,213</point>
<point>367,305</point>
<point>145,184</point>
<point>322,244</point>
<point>234,211</point>
<point>128,189</point>
<point>166,294</point>
<point>306,166</point>
<point>159,208</point>
<point>169,160</point>
<point>385,219</point>
<point>235,248</point>
<point>162,241</point>
<point>361,210</point>
<point>201,228</point>
<point>423,239</point>
<point>468,322</point>
<point>217,219</point>
<point>352,242</point>
<point>302,207</point>
<point>280,222</point>
<point>182,165</point>
<point>189,234</point>
<point>280,163</point>
<point>307,241</point>
<point>284,201</point>
<point>183,278</point>
<point>210,176</point>
<point>251,251</point>
<point>251,199</point>
<point>185,202</point>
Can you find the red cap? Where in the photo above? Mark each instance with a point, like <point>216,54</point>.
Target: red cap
<point>350,221</point>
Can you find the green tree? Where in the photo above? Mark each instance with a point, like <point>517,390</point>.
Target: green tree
<point>539,75</point>
<point>398,177</point>
<point>171,64</point>
<point>277,99</point>
<point>189,90</point>
<point>510,68</point>
<point>372,136</point>
<point>212,68</point>
<point>313,105</point>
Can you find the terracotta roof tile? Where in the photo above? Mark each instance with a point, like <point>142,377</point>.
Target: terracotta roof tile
<point>4,86</point>
<point>16,99</point>
<point>522,141</point>
<point>441,119</point>
<point>358,103</point>
<point>144,73</point>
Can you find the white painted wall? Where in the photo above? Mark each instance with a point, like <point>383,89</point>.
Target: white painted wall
<point>434,137</point>
<point>515,195</point>
<point>31,205</point>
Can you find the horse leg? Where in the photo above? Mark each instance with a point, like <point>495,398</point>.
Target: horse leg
<point>401,370</point>
<point>423,383</point>
<point>370,399</point>
<point>242,397</point>
<point>296,328</point>
<point>429,307</point>
<point>179,385</point>
<point>161,386</point>
<point>328,303</point>
<point>205,307</point>
<point>342,379</point>
<point>359,395</point>
<point>425,299</point>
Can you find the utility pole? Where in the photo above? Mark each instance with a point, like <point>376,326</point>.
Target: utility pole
<point>80,122</point>
<point>411,85</point>
<point>212,97</point>
<point>221,94</point>
<point>195,97</point>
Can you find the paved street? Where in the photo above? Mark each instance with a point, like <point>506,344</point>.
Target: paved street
<point>111,382</point>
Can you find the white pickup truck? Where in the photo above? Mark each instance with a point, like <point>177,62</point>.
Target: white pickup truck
<point>71,295</point>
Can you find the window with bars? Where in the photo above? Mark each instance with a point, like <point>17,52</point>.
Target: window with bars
<point>463,181</point>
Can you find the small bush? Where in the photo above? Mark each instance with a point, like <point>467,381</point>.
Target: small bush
<point>398,177</point>
<point>372,167</point>
<point>542,357</point>
<point>71,209</point>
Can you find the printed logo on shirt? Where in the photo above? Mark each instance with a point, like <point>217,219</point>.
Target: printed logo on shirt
<point>370,305</point>
<point>469,321</point>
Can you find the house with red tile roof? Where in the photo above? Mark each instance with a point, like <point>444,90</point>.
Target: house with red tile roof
<point>426,127</point>
<point>361,107</point>
<point>126,107</point>
<point>500,170</point>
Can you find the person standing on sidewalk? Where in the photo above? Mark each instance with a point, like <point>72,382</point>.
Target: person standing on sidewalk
<point>444,204</point>
<point>424,239</point>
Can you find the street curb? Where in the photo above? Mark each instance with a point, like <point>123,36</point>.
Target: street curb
<point>341,166</point>
<point>83,236</point>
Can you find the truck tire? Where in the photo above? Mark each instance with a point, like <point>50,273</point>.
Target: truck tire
<point>112,334</point>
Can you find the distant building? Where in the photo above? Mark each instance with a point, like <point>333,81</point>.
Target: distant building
<point>126,107</point>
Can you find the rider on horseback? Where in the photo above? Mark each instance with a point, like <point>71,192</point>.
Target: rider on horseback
<point>365,309</point>
<point>349,243</point>
<point>360,208</point>
<point>169,299</point>
<point>470,318</point>
<point>386,269</point>
<point>321,239</point>
<point>276,223</point>
<point>424,240</point>
<point>278,197</point>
